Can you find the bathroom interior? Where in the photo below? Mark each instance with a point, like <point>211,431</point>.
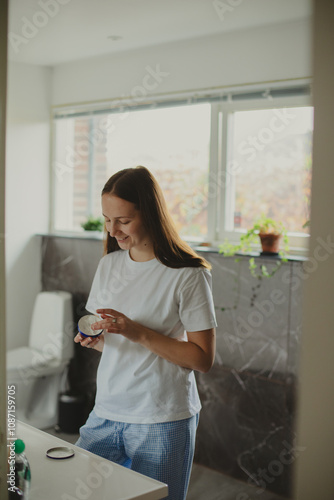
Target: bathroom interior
<point>65,61</point>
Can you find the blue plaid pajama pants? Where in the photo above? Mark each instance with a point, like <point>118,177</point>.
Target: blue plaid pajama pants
<point>162,451</point>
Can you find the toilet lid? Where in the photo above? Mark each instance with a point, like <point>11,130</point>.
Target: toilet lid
<point>25,360</point>
<point>23,356</point>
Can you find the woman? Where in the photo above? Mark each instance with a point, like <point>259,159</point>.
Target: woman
<point>153,295</point>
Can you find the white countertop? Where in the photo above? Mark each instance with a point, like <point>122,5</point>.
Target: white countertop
<point>83,476</point>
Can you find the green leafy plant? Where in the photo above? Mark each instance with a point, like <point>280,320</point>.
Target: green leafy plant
<point>263,225</point>
<point>93,224</point>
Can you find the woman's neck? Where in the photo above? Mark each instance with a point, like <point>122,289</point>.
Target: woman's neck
<point>142,254</point>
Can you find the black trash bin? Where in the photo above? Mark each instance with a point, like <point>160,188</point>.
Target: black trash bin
<point>71,412</point>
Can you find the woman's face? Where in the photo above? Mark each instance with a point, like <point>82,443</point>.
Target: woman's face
<point>124,222</point>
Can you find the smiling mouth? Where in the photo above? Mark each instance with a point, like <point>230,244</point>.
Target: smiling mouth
<point>121,240</point>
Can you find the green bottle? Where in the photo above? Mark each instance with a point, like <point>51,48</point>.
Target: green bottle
<point>22,469</point>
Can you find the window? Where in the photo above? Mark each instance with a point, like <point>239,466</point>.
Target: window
<point>272,148</point>
<point>221,162</point>
<point>172,142</point>
<point>265,160</point>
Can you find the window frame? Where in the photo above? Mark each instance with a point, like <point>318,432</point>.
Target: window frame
<point>219,157</point>
<point>220,181</point>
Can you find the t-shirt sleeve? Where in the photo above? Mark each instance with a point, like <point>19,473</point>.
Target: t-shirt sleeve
<point>196,307</point>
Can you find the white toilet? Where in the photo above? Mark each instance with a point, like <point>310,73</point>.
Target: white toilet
<point>37,370</point>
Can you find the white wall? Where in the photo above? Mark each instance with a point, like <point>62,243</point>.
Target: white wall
<point>27,191</point>
<point>267,53</point>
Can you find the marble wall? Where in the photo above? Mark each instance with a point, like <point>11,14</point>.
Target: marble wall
<point>246,426</point>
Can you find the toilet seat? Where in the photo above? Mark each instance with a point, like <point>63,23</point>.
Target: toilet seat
<point>26,362</point>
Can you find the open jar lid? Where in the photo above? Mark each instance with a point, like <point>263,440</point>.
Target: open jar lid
<point>60,452</point>
<point>84,326</point>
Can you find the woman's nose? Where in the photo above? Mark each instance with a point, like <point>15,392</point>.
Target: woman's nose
<point>111,228</point>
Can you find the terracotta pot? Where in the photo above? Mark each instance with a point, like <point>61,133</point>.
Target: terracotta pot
<point>270,242</point>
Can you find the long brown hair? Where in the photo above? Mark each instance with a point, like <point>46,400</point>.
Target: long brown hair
<point>139,186</point>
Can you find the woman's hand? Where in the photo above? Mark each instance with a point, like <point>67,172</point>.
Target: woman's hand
<point>96,343</point>
<point>197,353</point>
<point>116,322</point>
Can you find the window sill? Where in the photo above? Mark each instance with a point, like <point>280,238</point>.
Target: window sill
<point>204,248</point>
<point>215,250</point>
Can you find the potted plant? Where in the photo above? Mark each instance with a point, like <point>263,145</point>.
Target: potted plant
<point>270,233</point>
<point>95,224</point>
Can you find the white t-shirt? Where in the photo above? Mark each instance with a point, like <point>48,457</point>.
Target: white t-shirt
<point>133,384</point>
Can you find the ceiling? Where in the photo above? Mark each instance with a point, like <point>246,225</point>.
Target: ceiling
<point>51,32</point>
